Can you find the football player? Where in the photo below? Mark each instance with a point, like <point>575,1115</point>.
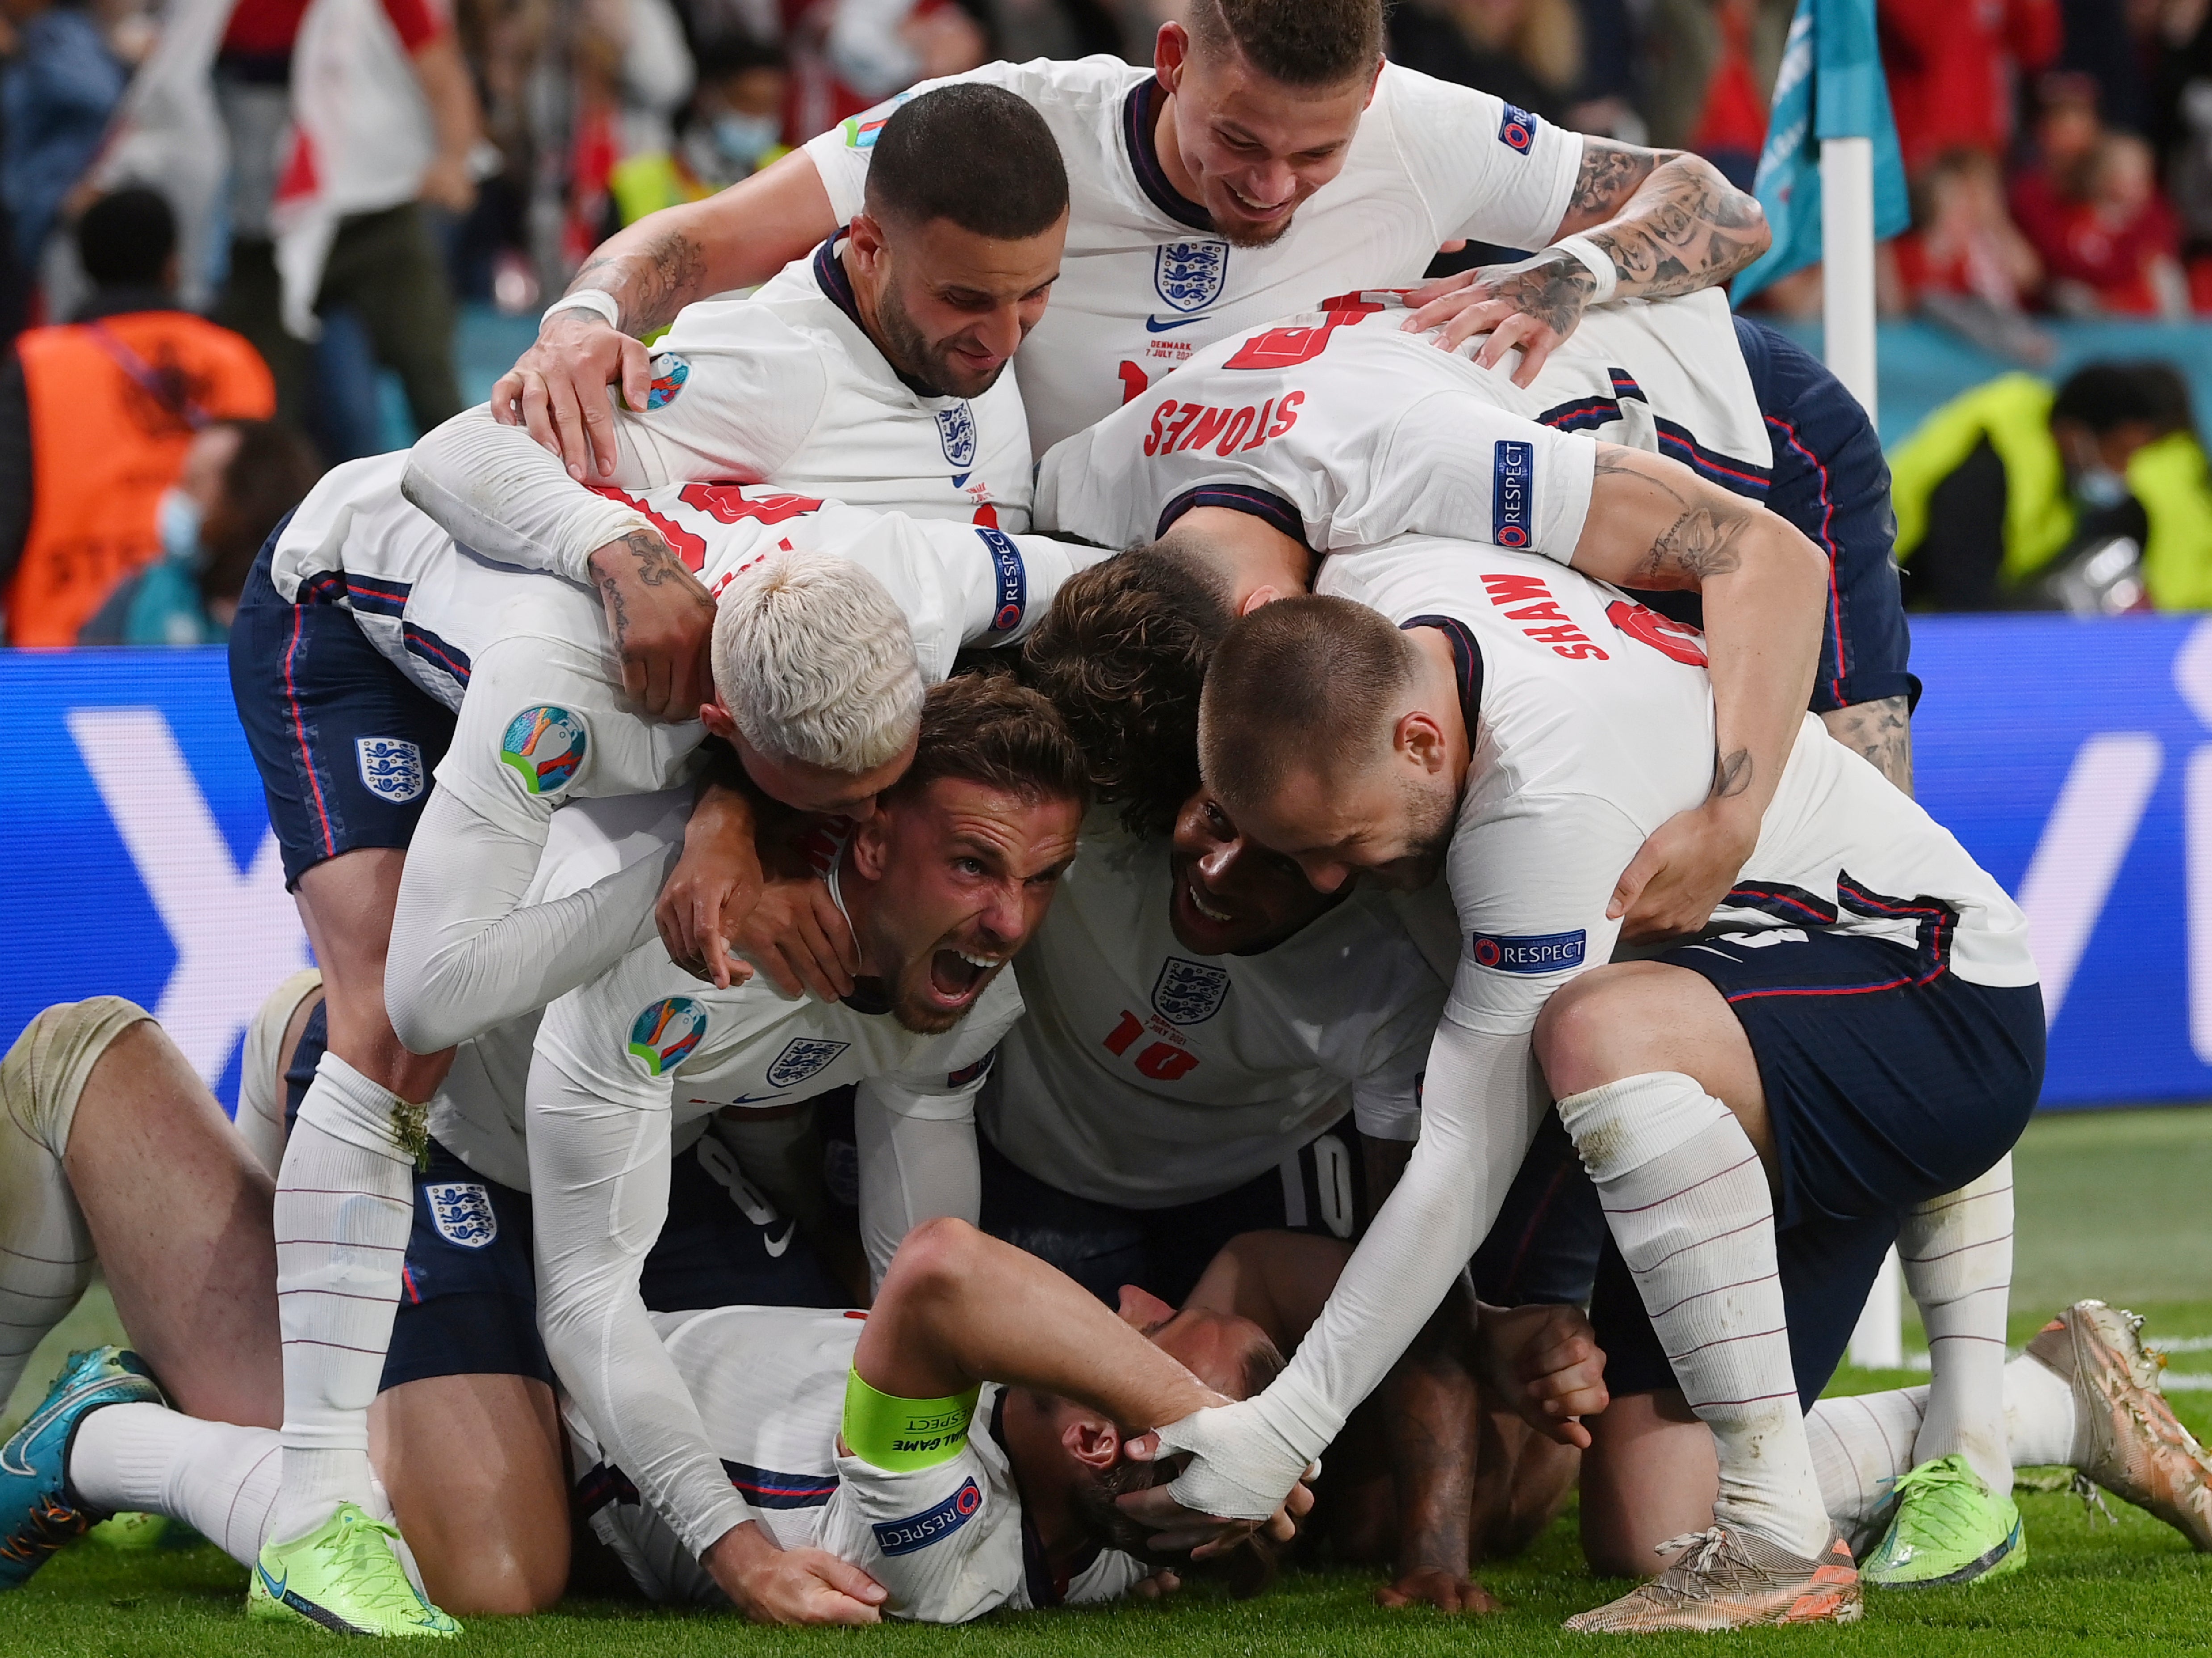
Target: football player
<point>1270,155</point>
<point>1443,706</point>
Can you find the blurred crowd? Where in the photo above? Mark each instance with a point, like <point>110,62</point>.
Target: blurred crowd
<point>256,210</point>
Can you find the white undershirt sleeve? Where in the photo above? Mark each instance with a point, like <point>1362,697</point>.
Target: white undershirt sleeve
<point>467,953</point>
<point>599,1178</point>
<point>918,1161</point>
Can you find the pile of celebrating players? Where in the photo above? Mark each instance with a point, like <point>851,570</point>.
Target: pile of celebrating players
<point>1079,890</point>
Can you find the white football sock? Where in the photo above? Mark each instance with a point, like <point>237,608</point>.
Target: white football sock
<point>1957,1253</point>
<point>46,1251</point>
<point>345,1204</point>
<point>218,1479</point>
<point>1687,1202</point>
<point>1861,1443</point>
<point>1859,1446</point>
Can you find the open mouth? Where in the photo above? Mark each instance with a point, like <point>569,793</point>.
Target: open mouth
<point>1251,208</point>
<point>955,975</point>
<point>1196,894</point>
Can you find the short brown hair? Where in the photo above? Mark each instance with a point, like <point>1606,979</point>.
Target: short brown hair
<point>989,728</point>
<point>1310,679</point>
<point>976,154</point>
<point>1123,653</point>
<point>1301,43</point>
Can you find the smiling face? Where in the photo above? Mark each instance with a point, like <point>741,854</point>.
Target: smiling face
<point>953,878</point>
<point>1231,896</point>
<point>949,306</point>
<point>1249,148</point>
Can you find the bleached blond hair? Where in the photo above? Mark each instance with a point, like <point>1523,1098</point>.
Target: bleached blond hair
<point>815,663</point>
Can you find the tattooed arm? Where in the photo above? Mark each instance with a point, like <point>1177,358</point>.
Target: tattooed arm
<point>1882,730</point>
<point>661,619</point>
<point>651,270</point>
<point>1655,524</point>
<point>1668,222</point>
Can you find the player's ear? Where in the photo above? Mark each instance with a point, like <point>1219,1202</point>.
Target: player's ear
<point>716,718</point>
<point>1420,740</point>
<point>867,239</point>
<point>872,844</point>
<point>1258,597</point>
<point>1092,1441</point>
<point>1140,1309</point>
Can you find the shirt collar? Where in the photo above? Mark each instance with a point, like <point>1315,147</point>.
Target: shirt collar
<point>1141,114</point>
<point>831,275</point>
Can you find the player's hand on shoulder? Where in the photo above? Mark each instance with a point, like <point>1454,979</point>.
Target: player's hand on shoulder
<point>1545,1362</point>
<point>558,389</point>
<point>773,1585</point>
<point>1438,1587</point>
<point>717,879</point>
<point>661,617</point>
<point>1682,872</point>
<point>1533,306</point>
<point>795,934</point>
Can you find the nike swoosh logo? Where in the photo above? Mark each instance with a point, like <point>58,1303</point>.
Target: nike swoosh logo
<point>777,1246</point>
<point>274,1585</point>
<point>756,1099</point>
<point>45,1415</point>
<point>1154,325</point>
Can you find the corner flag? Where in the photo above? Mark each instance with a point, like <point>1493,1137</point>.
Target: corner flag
<point>1830,86</point>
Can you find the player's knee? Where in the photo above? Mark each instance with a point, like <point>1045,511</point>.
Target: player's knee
<point>1579,1032</point>
<point>45,1072</point>
<point>504,1576</point>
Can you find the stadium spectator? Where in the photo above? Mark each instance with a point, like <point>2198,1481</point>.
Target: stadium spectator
<point>1712,67</point>
<point>1963,242</point>
<point>1952,70</point>
<point>633,73</point>
<point>96,417</point>
<point>848,55</point>
<point>733,128</point>
<point>2068,130</point>
<point>240,478</point>
<point>2115,251</point>
<point>382,119</point>
<point>2002,491</point>
<point>1529,53</point>
<point>56,93</point>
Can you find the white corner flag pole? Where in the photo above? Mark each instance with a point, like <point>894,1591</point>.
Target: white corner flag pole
<point>1847,316</point>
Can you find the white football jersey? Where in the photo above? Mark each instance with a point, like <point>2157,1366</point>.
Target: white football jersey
<point>946,1542</point>
<point>1145,1075</point>
<point>1146,281</point>
<point>1595,725</point>
<point>1343,431</point>
<point>547,720</point>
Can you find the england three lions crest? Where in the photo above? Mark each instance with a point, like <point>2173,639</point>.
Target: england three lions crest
<point>801,1059</point>
<point>462,1212</point>
<point>1190,275</point>
<point>1189,992</point>
<point>391,767</point>
<point>956,429</point>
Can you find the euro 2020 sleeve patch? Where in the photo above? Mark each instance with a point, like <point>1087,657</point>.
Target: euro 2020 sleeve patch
<point>546,747</point>
<point>669,373</point>
<point>662,1035</point>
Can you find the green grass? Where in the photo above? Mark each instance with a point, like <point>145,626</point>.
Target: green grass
<point>2112,1204</point>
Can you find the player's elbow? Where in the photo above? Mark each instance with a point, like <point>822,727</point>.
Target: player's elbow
<point>424,1015</point>
<point>935,1259</point>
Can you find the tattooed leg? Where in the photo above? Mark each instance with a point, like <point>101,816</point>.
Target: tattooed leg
<point>1882,731</point>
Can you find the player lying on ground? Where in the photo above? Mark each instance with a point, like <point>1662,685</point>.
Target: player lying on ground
<point>346,740</point>
<point>1125,644</point>
<point>123,1128</point>
<point>1269,157</point>
<point>1521,727</point>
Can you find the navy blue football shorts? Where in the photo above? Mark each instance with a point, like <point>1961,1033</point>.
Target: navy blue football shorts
<point>1543,1247</point>
<point>468,1290</point>
<point>344,742</point>
<point>1320,1190</point>
<point>1889,1080</point>
<point>1829,480</point>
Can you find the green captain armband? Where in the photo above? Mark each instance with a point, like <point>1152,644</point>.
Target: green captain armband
<point>900,1435</point>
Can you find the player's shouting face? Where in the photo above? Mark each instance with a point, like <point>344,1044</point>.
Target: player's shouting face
<point>956,875</point>
<point>1232,897</point>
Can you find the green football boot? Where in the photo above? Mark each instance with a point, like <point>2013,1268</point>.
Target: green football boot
<point>344,1576</point>
<point>1949,1527</point>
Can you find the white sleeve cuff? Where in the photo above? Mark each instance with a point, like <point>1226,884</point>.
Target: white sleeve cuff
<point>597,300</point>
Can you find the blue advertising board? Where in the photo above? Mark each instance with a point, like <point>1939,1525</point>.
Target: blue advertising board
<point>2074,759</point>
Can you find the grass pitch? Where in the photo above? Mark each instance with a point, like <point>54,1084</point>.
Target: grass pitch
<point>2111,1203</point>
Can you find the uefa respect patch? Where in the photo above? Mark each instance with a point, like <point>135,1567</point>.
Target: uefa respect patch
<point>919,1531</point>
<point>1012,576</point>
<point>545,745</point>
<point>663,1034</point>
<point>1540,952</point>
<point>1517,129</point>
<point>1512,493</point>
